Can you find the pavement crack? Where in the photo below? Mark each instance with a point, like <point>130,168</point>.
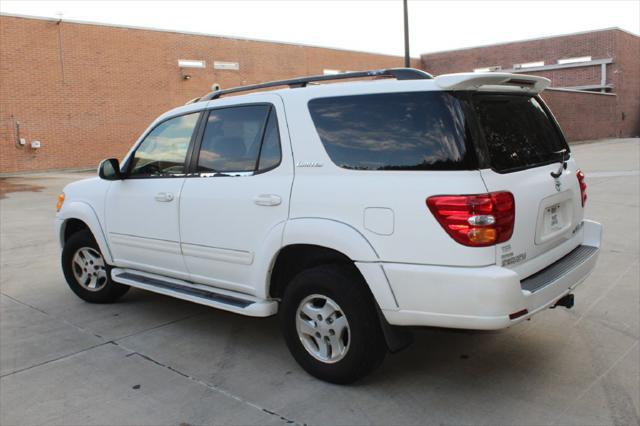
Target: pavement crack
<point>85,330</point>
<point>273,413</point>
<point>598,379</point>
<point>57,359</point>
<point>164,324</point>
<point>605,292</point>
<point>62,320</point>
<point>215,388</point>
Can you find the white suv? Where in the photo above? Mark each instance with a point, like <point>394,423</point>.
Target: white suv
<point>351,208</point>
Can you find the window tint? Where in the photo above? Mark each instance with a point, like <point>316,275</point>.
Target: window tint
<point>232,138</point>
<point>517,131</point>
<point>164,149</point>
<point>270,153</point>
<point>393,131</point>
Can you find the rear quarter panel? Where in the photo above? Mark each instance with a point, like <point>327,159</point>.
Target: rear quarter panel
<point>323,190</point>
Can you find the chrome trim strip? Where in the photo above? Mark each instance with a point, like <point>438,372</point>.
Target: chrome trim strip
<point>219,254</point>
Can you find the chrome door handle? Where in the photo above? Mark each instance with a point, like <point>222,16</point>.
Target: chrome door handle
<point>164,197</point>
<point>267,200</point>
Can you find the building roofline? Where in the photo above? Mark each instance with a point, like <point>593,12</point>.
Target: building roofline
<point>531,39</point>
<point>194,33</point>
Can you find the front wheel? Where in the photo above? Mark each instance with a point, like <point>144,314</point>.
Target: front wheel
<point>330,324</point>
<point>86,271</point>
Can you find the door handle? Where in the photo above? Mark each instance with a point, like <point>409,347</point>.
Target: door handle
<point>267,200</point>
<point>164,197</point>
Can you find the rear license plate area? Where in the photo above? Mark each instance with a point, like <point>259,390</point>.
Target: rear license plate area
<point>553,217</point>
<point>554,220</point>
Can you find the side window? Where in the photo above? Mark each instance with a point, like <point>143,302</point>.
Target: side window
<point>393,131</point>
<point>270,153</point>
<point>164,149</point>
<point>240,139</point>
<point>232,138</point>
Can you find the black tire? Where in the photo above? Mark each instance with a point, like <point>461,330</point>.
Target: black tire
<point>108,291</point>
<point>341,283</point>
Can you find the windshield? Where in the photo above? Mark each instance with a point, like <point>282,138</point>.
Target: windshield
<point>518,132</point>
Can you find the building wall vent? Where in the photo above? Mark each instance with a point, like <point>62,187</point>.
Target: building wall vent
<point>221,65</point>
<point>574,60</point>
<point>191,63</point>
<point>528,65</point>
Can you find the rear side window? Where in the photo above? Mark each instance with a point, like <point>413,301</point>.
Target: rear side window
<point>393,131</point>
<point>518,132</point>
<point>270,154</point>
<point>232,139</point>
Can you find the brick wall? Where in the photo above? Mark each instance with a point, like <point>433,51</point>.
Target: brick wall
<point>626,77</point>
<point>88,91</point>
<point>583,116</point>
<point>597,44</point>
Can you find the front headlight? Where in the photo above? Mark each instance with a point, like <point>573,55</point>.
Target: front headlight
<point>60,201</point>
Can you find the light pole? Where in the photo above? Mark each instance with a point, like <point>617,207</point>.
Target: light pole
<point>407,61</point>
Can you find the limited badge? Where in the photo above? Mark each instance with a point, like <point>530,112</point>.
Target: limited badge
<point>308,164</point>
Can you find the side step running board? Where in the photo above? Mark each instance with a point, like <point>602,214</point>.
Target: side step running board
<point>202,294</point>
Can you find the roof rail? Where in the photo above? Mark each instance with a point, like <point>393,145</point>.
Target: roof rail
<point>397,73</point>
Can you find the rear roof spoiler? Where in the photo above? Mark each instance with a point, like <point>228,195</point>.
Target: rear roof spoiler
<point>492,81</point>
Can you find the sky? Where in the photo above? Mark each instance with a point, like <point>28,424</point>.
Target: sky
<point>364,25</point>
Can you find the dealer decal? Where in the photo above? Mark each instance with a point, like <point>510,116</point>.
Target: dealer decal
<point>510,259</point>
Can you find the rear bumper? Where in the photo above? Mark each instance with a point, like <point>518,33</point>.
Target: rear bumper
<point>484,298</point>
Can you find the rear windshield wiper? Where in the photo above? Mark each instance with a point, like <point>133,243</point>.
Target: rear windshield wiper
<point>563,163</point>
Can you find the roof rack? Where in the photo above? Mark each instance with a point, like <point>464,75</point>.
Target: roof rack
<point>397,73</point>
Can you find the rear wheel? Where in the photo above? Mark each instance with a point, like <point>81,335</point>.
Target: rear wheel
<point>330,324</point>
<point>86,271</point>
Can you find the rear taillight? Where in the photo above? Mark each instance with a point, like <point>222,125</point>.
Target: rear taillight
<point>475,220</point>
<point>583,186</point>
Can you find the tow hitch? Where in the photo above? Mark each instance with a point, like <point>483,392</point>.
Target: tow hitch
<point>567,301</point>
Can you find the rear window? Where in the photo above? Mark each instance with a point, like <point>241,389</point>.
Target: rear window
<point>393,131</point>
<point>518,132</point>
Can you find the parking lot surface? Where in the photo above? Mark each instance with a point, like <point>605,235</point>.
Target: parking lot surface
<point>154,360</point>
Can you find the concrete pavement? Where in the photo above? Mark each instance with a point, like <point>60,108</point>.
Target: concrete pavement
<point>155,360</point>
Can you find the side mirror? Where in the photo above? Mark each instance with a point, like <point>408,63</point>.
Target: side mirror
<point>109,169</point>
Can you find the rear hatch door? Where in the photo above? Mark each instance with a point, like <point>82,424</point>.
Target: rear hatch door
<point>526,154</point>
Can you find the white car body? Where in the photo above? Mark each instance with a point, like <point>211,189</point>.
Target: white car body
<point>226,233</point>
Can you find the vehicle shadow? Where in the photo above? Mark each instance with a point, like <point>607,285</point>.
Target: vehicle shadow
<point>433,379</point>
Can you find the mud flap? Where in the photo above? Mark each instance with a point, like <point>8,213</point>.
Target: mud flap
<point>396,338</point>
